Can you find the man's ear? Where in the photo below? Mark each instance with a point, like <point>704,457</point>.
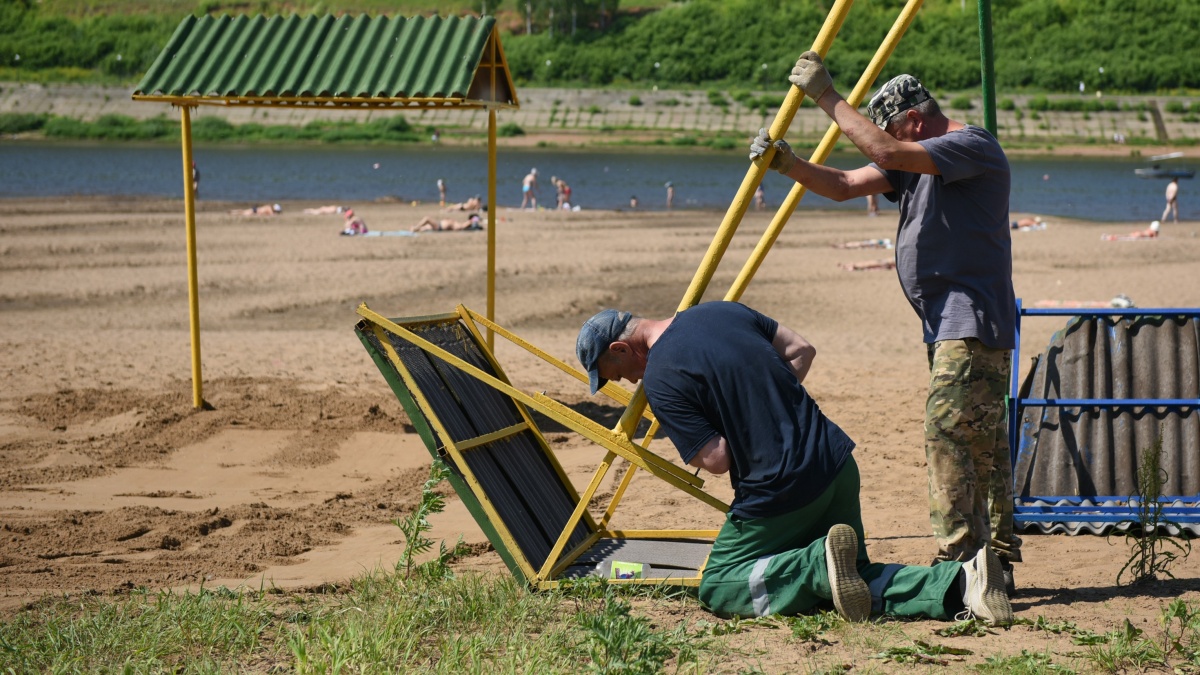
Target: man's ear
<point>619,347</point>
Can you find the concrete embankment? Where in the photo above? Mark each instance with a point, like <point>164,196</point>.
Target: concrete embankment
<point>586,112</point>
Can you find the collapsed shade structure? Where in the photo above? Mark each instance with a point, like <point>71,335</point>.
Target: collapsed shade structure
<point>348,62</point>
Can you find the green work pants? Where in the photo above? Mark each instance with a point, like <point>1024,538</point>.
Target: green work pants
<point>776,565</point>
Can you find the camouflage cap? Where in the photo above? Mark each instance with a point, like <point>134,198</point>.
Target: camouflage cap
<point>899,94</point>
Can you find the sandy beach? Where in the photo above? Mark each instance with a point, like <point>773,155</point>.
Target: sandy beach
<point>110,480</point>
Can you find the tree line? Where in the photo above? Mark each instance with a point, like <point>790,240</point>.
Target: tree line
<point>1120,46</point>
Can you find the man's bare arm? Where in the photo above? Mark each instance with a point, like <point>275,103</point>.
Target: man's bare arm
<point>713,457</point>
<point>878,145</point>
<point>795,350</point>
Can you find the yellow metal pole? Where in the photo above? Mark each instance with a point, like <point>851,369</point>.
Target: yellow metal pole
<point>741,202</point>
<point>823,150</point>
<point>491,218</point>
<point>491,215</point>
<point>189,210</point>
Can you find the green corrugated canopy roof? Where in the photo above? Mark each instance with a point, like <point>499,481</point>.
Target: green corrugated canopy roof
<point>353,61</point>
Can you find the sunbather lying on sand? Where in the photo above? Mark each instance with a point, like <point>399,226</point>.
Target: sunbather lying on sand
<point>881,264</point>
<point>1148,233</point>
<point>428,224</point>
<point>866,243</point>
<point>264,210</point>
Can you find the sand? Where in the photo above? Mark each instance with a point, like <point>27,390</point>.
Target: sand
<point>110,480</point>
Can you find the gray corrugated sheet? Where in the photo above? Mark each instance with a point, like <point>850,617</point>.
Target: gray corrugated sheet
<point>663,559</point>
<point>1088,452</point>
<point>356,57</point>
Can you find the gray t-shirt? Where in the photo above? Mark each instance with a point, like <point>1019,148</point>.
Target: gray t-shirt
<point>953,248</point>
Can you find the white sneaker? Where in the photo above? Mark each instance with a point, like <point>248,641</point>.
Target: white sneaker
<point>985,597</point>
<point>851,596</point>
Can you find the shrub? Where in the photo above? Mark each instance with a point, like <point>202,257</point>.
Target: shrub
<point>716,98</point>
<point>509,130</point>
<point>213,129</point>
<point>65,127</point>
<point>1039,103</point>
<point>15,123</point>
<point>1006,104</point>
<point>1176,107</point>
<point>961,102</point>
<point>635,100</point>
<point>669,102</point>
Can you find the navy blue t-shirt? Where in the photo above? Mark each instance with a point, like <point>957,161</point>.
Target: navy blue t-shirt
<point>714,372</point>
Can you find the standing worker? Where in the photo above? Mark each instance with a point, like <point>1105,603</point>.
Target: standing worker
<point>725,383</point>
<point>1172,195</point>
<point>670,194</point>
<point>441,186</point>
<point>954,260</point>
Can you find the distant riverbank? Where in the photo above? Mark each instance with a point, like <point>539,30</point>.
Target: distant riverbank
<point>587,118</point>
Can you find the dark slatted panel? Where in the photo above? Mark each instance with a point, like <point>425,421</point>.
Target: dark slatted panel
<point>516,475</point>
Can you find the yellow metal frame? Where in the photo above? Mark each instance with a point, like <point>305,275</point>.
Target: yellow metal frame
<point>493,60</point>
<point>741,201</point>
<point>615,445</point>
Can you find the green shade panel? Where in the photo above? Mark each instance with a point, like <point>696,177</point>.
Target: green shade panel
<point>327,57</point>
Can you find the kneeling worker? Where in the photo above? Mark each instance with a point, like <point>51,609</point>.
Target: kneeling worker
<point>724,382</point>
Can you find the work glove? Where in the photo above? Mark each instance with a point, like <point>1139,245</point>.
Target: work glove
<point>810,75</point>
<point>784,158</point>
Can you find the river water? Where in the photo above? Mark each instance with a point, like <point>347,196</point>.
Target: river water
<point>1103,189</point>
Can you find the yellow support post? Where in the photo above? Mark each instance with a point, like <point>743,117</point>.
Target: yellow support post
<point>491,233</point>
<point>741,202</point>
<point>823,150</point>
<point>491,189</point>
<point>189,211</point>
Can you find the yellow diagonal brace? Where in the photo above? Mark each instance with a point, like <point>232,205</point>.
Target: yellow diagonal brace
<point>560,413</point>
<point>611,390</point>
<point>616,498</point>
<point>783,119</point>
<point>576,515</point>
<point>493,436</point>
<point>823,150</point>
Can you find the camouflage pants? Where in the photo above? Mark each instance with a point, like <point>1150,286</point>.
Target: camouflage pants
<point>966,449</point>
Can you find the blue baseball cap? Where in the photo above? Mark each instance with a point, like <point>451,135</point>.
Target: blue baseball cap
<point>596,335</point>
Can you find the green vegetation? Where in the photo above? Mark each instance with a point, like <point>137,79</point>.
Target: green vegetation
<point>1152,552</point>
<point>394,129</point>
<point>435,621</point>
<point>509,130</point>
<point>1046,45</point>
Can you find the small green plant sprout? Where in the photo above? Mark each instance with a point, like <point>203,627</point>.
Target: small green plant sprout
<point>1027,662</point>
<point>1079,636</point>
<point>415,525</point>
<point>1152,552</point>
<point>923,652</point>
<point>741,625</point>
<point>1181,632</point>
<point>968,628</point>
<point>620,643</point>
<point>1126,650</point>
<point>811,628</point>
